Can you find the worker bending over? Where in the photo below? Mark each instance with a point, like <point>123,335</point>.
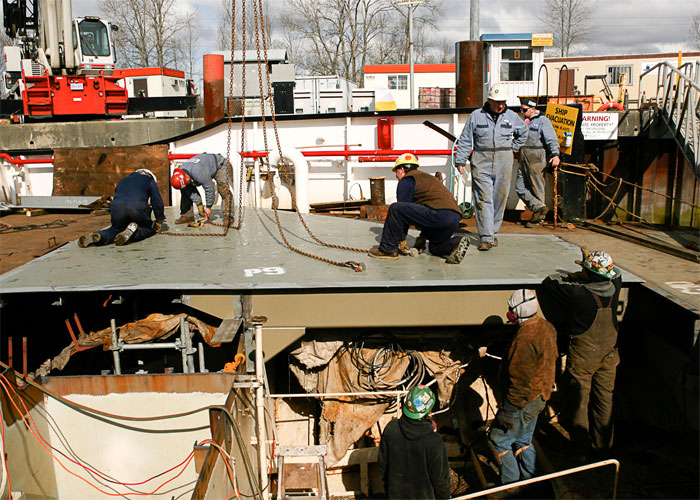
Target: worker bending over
<point>201,170</point>
<point>130,212</point>
<point>589,300</point>
<point>492,136</point>
<point>412,456</point>
<point>542,143</point>
<point>526,381</point>
<point>422,201</point>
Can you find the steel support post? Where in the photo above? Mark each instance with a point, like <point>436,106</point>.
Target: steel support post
<point>115,348</point>
<point>260,403</point>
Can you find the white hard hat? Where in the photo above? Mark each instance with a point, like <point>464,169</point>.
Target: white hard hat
<point>147,172</point>
<point>498,92</point>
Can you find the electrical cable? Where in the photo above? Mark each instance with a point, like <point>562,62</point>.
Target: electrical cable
<point>4,461</point>
<point>94,413</point>
<point>42,442</point>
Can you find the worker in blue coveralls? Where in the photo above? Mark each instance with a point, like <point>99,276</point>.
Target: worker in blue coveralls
<point>492,135</point>
<point>130,212</point>
<point>422,201</point>
<point>541,148</point>
<point>201,170</point>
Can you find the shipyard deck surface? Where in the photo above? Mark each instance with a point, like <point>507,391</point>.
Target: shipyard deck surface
<point>255,258</point>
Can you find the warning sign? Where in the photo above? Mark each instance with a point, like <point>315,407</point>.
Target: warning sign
<point>564,121</point>
<point>599,126</point>
<point>542,39</point>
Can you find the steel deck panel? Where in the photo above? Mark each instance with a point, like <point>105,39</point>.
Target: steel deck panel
<point>255,259</point>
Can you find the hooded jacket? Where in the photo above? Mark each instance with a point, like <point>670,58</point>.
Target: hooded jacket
<point>413,460</point>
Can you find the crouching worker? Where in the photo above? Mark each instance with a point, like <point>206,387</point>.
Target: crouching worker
<point>201,170</point>
<point>412,456</point>
<point>422,201</point>
<point>130,212</point>
<point>526,379</point>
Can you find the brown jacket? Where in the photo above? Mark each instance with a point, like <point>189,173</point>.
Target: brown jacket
<point>528,370</point>
<point>430,191</point>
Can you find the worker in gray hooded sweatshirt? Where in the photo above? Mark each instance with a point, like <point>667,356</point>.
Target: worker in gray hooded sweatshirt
<point>541,148</point>
<point>201,170</point>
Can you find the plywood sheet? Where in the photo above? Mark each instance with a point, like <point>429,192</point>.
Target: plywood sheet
<point>96,171</point>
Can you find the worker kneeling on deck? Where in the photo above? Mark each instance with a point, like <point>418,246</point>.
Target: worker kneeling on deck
<point>526,380</point>
<point>202,170</point>
<point>412,456</point>
<point>422,201</point>
<point>130,212</point>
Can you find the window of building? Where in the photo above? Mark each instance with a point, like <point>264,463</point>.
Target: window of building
<point>615,72</point>
<point>516,65</point>
<point>398,82</point>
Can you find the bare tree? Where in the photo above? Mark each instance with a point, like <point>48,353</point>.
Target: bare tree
<point>695,30</point>
<point>247,28</point>
<point>569,20</point>
<point>149,30</point>
<point>189,41</point>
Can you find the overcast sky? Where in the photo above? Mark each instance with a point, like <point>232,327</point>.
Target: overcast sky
<point>623,26</point>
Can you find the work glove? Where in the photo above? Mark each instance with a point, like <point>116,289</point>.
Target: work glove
<point>157,226</point>
<point>584,253</point>
<point>505,417</point>
<point>202,213</point>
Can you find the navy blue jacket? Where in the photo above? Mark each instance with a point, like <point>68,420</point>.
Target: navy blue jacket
<point>136,190</point>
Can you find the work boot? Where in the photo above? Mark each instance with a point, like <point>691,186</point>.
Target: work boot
<point>420,244</point>
<point>378,253</point>
<point>531,225</point>
<point>184,219</point>
<point>404,249</point>
<point>539,214</point>
<point>485,246</point>
<point>89,239</point>
<point>123,237</point>
<point>460,250</point>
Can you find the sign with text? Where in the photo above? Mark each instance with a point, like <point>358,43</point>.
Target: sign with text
<point>564,122</point>
<point>599,126</point>
<point>542,39</point>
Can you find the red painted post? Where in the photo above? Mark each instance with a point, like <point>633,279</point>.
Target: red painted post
<point>213,88</point>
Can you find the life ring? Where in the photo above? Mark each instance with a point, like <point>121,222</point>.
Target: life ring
<point>614,105</point>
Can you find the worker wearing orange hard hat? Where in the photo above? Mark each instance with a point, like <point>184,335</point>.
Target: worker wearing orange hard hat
<point>422,201</point>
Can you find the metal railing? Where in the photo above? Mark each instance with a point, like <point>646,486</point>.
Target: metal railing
<point>678,101</point>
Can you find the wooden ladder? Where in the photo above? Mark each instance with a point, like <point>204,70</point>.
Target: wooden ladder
<point>301,480</point>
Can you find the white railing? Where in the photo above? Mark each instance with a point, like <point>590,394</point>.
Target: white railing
<point>678,101</point>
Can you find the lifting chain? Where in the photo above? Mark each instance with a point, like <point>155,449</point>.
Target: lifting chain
<point>260,34</point>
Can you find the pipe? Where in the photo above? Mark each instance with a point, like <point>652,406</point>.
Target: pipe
<point>188,349</point>
<point>146,347</point>
<point>115,348</point>
<point>474,20</point>
<point>301,175</point>
<point>260,403</point>
<point>202,368</point>
<point>67,25</point>
<point>337,394</point>
<point>214,88</point>
<point>183,343</point>
<point>24,161</point>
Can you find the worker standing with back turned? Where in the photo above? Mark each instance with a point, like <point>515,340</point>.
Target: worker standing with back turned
<point>492,136</point>
<point>412,456</point>
<point>589,300</point>
<point>541,143</point>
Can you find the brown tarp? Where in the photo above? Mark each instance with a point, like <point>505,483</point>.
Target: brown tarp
<point>344,420</point>
<point>153,327</point>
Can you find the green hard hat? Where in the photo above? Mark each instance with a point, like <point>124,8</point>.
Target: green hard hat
<point>419,401</point>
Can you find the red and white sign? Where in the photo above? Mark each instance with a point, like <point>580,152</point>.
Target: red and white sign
<point>599,126</point>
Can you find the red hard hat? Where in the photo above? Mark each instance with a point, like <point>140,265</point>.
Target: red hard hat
<point>179,179</point>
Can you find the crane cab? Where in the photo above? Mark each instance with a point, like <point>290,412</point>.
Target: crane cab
<point>94,50</point>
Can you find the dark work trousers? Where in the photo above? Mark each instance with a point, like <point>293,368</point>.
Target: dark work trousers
<point>592,364</point>
<point>123,214</point>
<point>437,226</point>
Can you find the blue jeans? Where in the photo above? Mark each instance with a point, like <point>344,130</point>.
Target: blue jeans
<point>121,216</point>
<point>514,446</point>
<point>437,226</point>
